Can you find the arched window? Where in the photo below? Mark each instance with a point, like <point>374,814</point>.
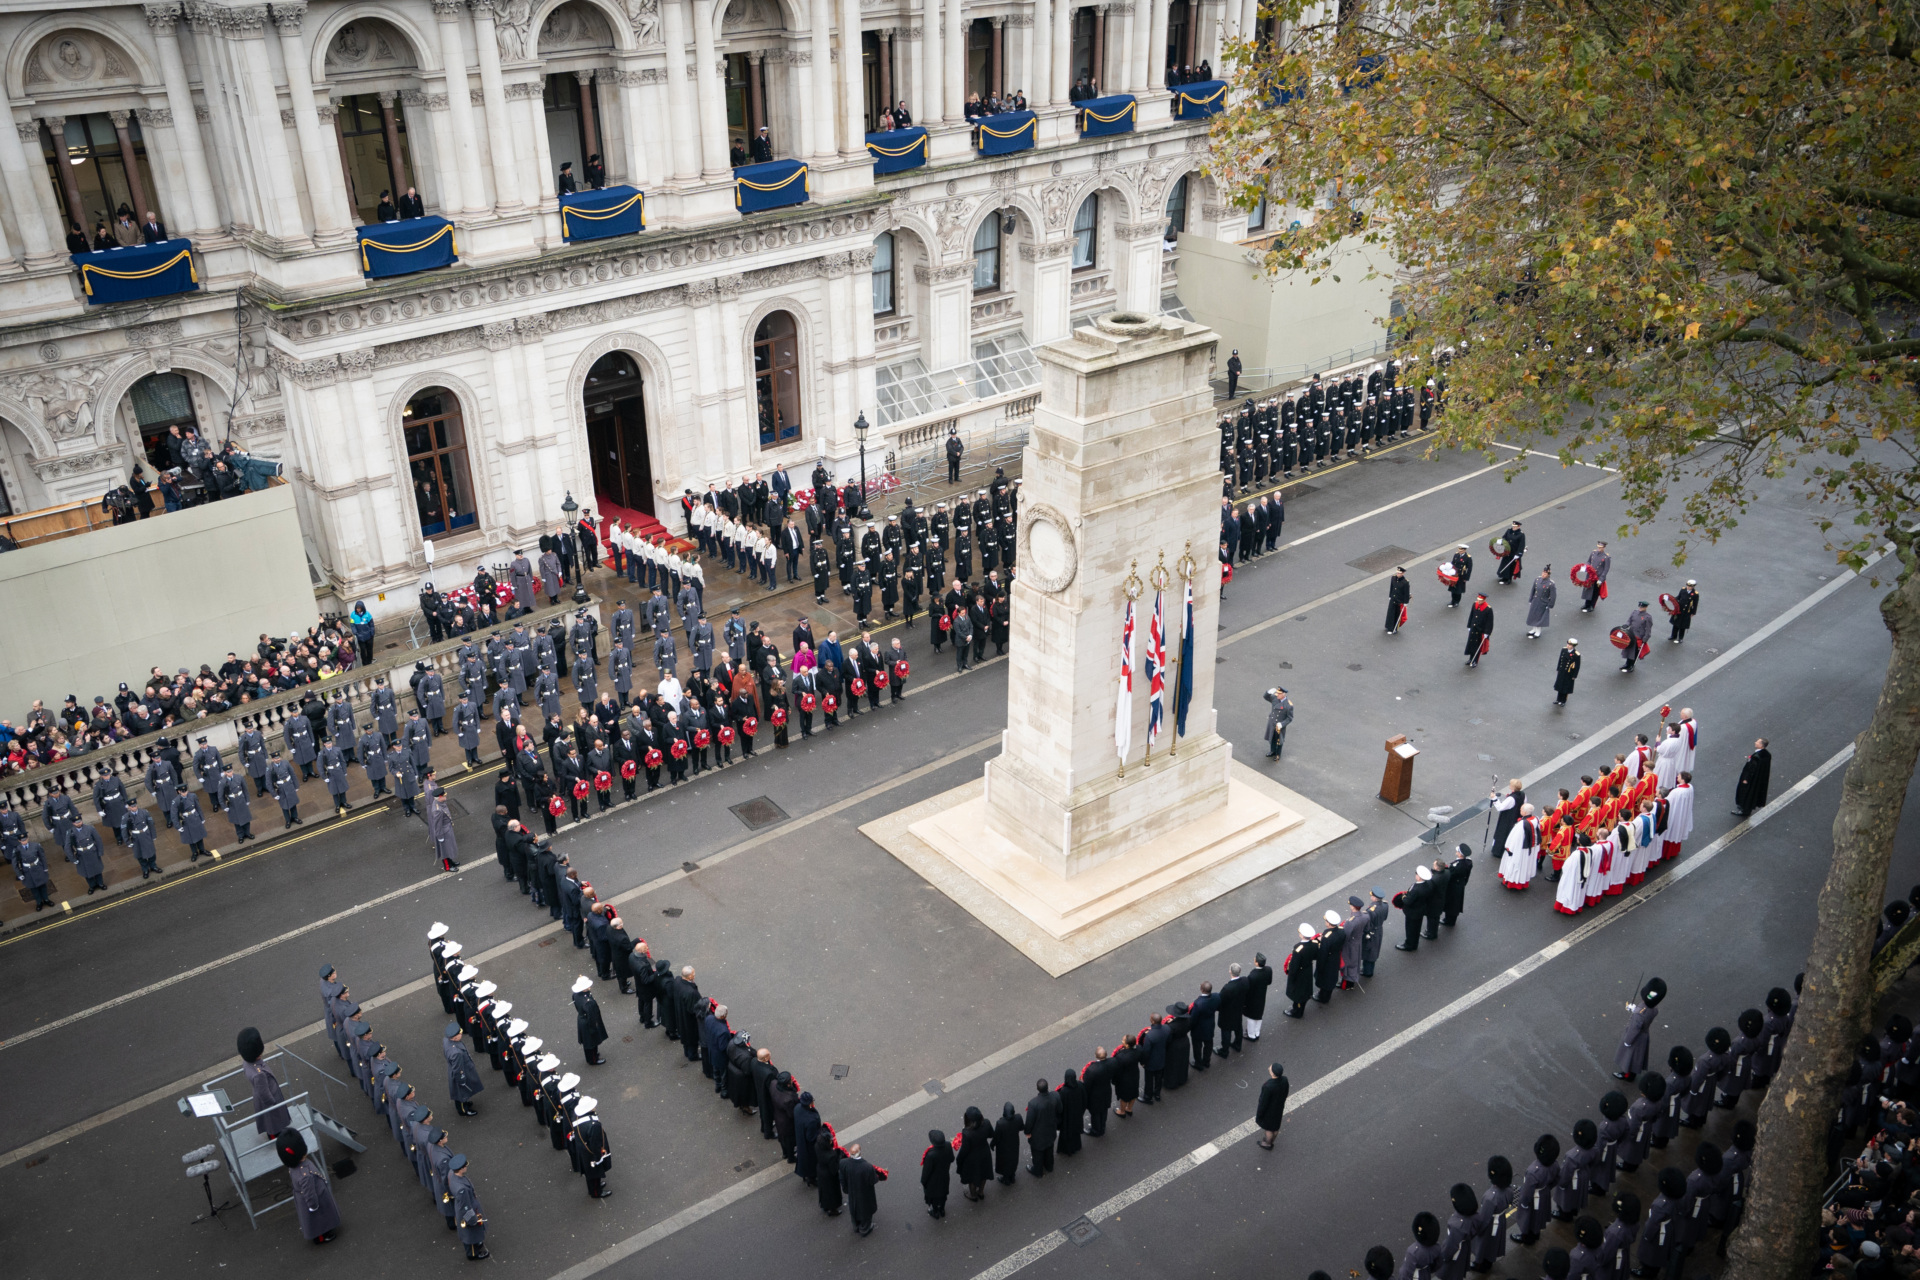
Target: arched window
<point>986,255</point>
<point>161,401</point>
<point>1177,209</point>
<point>776,379</point>
<point>1084,223</point>
<point>883,296</point>
<point>437,459</point>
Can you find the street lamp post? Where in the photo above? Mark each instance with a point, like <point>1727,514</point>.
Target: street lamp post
<point>860,434</point>
<point>570,511</point>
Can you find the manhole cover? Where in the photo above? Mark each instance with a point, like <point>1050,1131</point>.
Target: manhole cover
<point>689,867</point>
<point>934,1088</point>
<point>671,913</point>
<point>1385,558</point>
<point>1485,757</point>
<point>758,812</point>
<point>1286,666</point>
<point>1355,666</point>
<point>1654,575</point>
<point>1080,1230</point>
<point>841,1070</point>
<point>743,1166</point>
<point>1294,490</point>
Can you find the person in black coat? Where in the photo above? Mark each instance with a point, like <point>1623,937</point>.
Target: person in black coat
<point>1272,1106</point>
<point>1399,592</point>
<point>1299,966</point>
<point>936,1166</point>
<point>1258,980</point>
<point>1412,901</point>
<point>1126,1077</point>
<point>1200,1016</point>
<point>592,1032</point>
<point>826,1171</point>
<point>1006,1143</point>
<point>1459,871</point>
<point>1233,1008</point>
<point>1097,1079</point>
<point>1326,969</point>
<point>1153,1056</point>
<point>1072,1097</point>
<point>1750,792</point>
<point>1179,1026</point>
<point>974,1159</point>
<point>1042,1123</point>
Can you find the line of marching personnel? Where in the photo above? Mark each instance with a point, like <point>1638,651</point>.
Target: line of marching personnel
<point>1318,424</point>
<point>1558,1183</point>
<point>445,1173</point>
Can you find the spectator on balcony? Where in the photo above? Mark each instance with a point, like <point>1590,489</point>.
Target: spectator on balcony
<point>902,118</point>
<point>1020,100</point>
<point>171,497</point>
<point>975,108</point>
<point>886,122</point>
<point>126,232</point>
<point>103,238</point>
<point>411,206</point>
<point>153,231</point>
<point>762,146</point>
<point>596,172</point>
<point>736,154</point>
<point>566,183</point>
<point>77,239</point>
<point>1080,92</point>
<point>386,210</point>
<point>142,498</point>
<point>1206,70</point>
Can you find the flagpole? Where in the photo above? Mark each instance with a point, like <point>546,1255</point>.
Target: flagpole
<point>1132,588</point>
<point>1157,576</point>
<point>1185,567</point>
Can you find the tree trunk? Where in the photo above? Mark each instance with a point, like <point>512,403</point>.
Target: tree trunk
<point>1777,1238</point>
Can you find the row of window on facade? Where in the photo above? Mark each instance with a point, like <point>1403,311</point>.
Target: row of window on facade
<point>989,243</point>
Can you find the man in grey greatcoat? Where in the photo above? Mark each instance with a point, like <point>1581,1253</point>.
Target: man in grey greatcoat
<point>333,767</point>
<point>1279,716</point>
<point>1640,627</point>
<point>254,757</point>
<point>466,728</point>
<point>620,669</point>
<point>163,784</point>
<point>85,852</point>
<point>418,742</point>
<point>298,735</point>
<point>586,683</point>
<point>520,573</point>
<point>191,823</point>
<point>206,763</point>
<point>1540,602</point>
<point>431,695</point>
<point>664,657</point>
<point>404,778</point>
<point>110,798</point>
<point>386,709</point>
<point>700,640</point>
<point>286,790</point>
<point>546,692</point>
<point>550,577</point>
<point>233,799</point>
<point>340,723</point>
<point>373,758</point>
<point>440,829</point>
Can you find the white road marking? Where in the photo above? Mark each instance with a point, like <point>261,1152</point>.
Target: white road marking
<point>1187,1163</point>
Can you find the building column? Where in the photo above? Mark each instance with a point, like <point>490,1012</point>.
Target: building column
<point>202,216</point>
<point>246,30</point>
<point>1062,50</point>
<point>218,85</point>
<point>326,180</point>
<point>997,59</point>
<point>526,102</point>
<point>463,188</point>
<point>56,134</point>
<point>886,72</point>
<point>1099,75</point>
<point>682,119</point>
<point>1124,77</point>
<point>444,162</point>
<point>633,108</point>
<point>712,96</point>
<point>27,192</point>
<point>588,125</point>
<point>819,104</point>
<point>757,103</point>
<point>852,80</point>
<point>136,185</point>
<point>1040,64</point>
<point>1156,50</point>
<point>929,99</point>
<point>502,152</point>
<point>955,41</point>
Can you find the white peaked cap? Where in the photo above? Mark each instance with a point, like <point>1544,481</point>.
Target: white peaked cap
<point>582,983</point>
<point>1306,930</point>
<point>1422,873</point>
<point>1332,917</point>
<point>501,1008</point>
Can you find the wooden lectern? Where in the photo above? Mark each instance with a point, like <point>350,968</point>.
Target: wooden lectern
<point>1397,783</point>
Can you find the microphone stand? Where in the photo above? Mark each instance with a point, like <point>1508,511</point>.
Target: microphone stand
<point>213,1210</point>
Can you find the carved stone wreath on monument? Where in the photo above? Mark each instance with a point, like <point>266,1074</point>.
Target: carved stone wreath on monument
<point>1048,556</point>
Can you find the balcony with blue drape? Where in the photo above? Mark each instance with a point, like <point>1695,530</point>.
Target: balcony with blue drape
<point>771,185</point>
<point>1005,133</point>
<point>600,215</point>
<point>409,245</point>
<point>136,272</point>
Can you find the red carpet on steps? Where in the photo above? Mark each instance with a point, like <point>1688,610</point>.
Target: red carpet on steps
<point>648,526</point>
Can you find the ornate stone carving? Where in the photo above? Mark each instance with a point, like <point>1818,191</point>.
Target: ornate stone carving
<point>161,333</point>
<point>244,22</point>
<point>1020,19</point>
<point>287,17</point>
<point>495,336</point>
<point>785,273</point>
<point>1197,143</point>
<point>512,27</point>
<point>203,115</point>
<point>434,347</point>
<point>861,259</point>
<point>1054,200</point>
<point>29,131</point>
<point>49,352</point>
<point>161,17</point>
<point>533,328</point>
<point>321,371</point>
<point>435,101</point>
<point>156,117</point>
<point>1045,250</point>
<point>1049,558</point>
<point>448,10</point>
<point>477,96</point>
<point>796,57</point>
<point>257,425</point>
<point>73,59</point>
<point>1143,230</point>
<point>1213,212</point>
<point>955,219</point>
<point>328,112</point>
<point>76,464</point>
<point>358,362</point>
<point>942,275</point>
<point>1005,179</point>
<point>64,397</point>
<point>701,292</point>
<point>644,15</point>
<point>834,266</point>
<point>286,117</point>
<point>525,91</point>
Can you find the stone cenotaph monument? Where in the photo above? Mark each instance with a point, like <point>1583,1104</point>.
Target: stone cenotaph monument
<point>1064,848</point>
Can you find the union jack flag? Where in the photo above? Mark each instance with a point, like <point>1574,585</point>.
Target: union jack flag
<point>1156,667</point>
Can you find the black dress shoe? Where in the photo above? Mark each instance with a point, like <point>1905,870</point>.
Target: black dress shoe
<point>1401,946</point>
<point>1623,1075</point>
